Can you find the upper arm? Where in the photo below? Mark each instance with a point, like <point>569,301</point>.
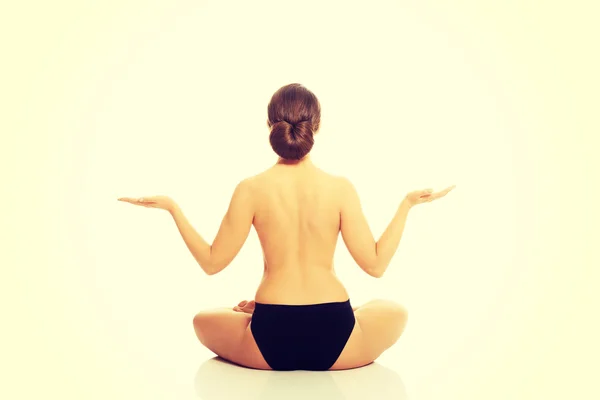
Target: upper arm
<point>235,227</point>
<point>355,229</point>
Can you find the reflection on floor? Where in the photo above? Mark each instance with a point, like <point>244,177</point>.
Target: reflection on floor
<point>218,379</point>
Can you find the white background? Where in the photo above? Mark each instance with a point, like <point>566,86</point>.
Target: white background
<point>141,98</point>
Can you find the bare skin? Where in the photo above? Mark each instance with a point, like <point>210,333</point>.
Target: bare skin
<point>298,212</point>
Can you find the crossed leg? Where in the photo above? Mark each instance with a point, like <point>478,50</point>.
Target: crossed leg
<point>379,324</point>
<point>227,333</point>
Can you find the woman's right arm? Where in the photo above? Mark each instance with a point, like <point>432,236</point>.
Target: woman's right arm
<point>373,257</point>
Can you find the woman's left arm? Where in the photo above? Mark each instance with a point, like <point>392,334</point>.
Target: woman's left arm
<point>231,236</point>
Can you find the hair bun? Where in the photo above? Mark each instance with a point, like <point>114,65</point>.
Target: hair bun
<point>291,141</point>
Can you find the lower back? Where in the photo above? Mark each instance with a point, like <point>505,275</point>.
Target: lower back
<point>300,285</point>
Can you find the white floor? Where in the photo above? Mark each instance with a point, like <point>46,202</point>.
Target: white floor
<point>373,381</point>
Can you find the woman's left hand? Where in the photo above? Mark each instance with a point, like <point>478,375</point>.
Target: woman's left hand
<point>162,202</point>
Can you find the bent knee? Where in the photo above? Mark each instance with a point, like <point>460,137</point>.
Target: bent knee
<point>199,318</point>
<point>206,316</point>
<point>393,308</point>
<point>400,318</point>
<point>198,322</point>
<point>201,322</point>
<point>396,313</point>
<point>399,312</point>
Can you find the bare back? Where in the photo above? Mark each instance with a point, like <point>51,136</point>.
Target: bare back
<point>297,219</point>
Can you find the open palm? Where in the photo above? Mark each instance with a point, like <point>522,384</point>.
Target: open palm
<point>427,195</point>
<point>162,202</point>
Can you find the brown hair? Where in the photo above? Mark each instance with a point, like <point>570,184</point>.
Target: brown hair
<point>294,115</point>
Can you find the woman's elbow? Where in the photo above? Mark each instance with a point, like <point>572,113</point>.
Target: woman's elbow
<point>214,267</point>
<point>376,273</point>
<point>208,268</point>
<point>374,270</point>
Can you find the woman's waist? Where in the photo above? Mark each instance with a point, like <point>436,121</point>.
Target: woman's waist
<point>292,288</point>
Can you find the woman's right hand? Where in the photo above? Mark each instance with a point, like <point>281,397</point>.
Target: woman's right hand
<point>245,306</point>
<point>426,195</point>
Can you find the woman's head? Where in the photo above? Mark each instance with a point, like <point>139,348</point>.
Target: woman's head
<point>294,116</point>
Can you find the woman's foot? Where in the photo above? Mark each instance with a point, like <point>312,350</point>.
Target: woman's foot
<point>245,306</point>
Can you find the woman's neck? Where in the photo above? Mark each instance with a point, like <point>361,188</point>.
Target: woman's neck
<point>306,161</point>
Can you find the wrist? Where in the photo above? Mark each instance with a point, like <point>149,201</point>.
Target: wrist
<point>406,203</point>
<point>173,208</point>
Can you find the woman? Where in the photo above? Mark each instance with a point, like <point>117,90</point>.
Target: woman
<point>301,317</point>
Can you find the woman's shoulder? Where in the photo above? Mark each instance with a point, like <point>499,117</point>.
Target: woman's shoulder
<point>338,180</point>
<point>271,176</point>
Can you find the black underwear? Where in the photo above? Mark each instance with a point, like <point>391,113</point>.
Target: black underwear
<point>302,337</point>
